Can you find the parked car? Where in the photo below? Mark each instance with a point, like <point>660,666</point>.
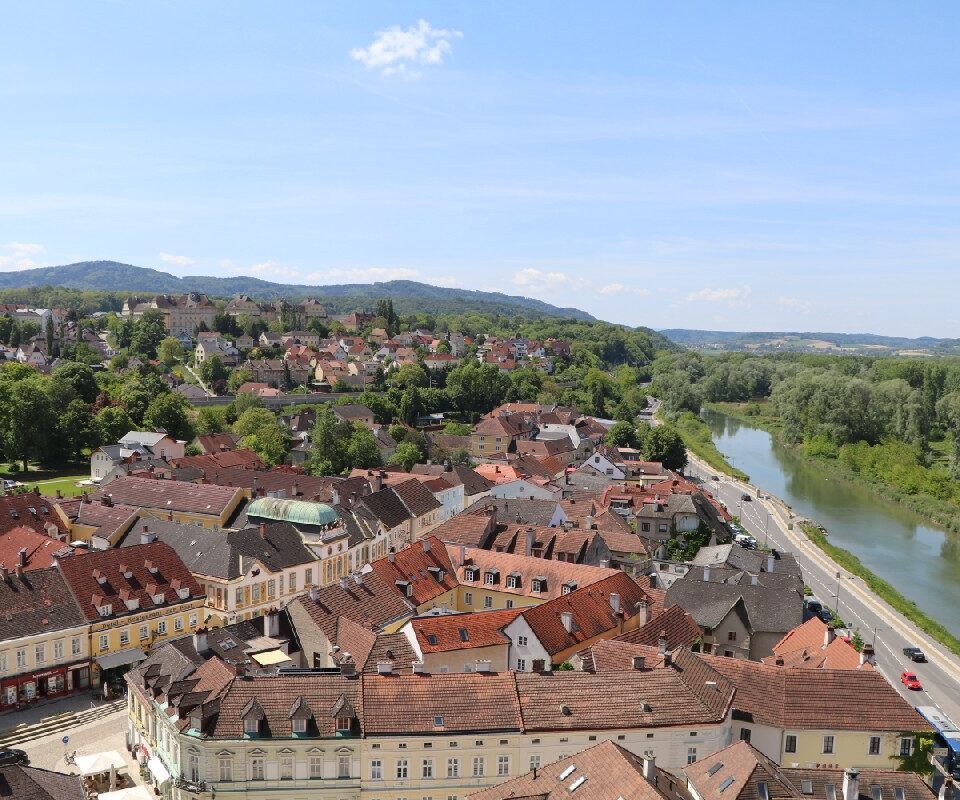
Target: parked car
<point>825,614</point>
<point>814,606</point>
<point>10,756</point>
<point>745,496</point>
<point>714,477</point>
<point>911,681</point>
<point>915,654</point>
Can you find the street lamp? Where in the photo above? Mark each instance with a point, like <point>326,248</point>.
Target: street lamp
<point>839,577</point>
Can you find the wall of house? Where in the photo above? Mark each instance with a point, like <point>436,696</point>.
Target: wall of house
<point>522,489</point>
<point>525,647</point>
<point>464,660</point>
<point>762,643</point>
<point>722,644</point>
<point>851,749</point>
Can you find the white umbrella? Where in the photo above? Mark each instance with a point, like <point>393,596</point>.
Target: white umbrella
<point>133,793</point>
<point>99,763</point>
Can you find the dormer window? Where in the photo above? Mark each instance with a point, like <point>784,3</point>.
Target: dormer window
<point>490,577</point>
<point>568,587</point>
<point>100,577</point>
<point>539,585</point>
<point>126,572</point>
<point>299,725</point>
<point>183,592</point>
<point>132,603</point>
<point>513,580</point>
<point>344,724</point>
<point>158,599</point>
<point>470,574</point>
<point>251,725</point>
<point>105,611</point>
<point>151,567</point>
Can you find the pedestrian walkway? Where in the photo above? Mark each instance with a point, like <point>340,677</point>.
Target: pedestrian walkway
<point>57,719</point>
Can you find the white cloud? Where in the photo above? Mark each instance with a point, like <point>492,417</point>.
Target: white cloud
<point>553,280</point>
<point>730,296</point>
<point>447,281</point>
<point>793,302</point>
<point>363,275</point>
<point>16,255</point>
<point>396,49</point>
<point>182,261</point>
<point>619,288</point>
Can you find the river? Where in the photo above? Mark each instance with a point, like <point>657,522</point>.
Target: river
<point>921,561</point>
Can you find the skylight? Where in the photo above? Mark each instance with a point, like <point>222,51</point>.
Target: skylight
<point>726,784</point>
<point>577,783</point>
<point>464,636</point>
<point>715,769</point>
<point>568,772</point>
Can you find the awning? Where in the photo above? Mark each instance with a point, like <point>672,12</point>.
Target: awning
<point>158,770</point>
<point>121,658</point>
<point>271,657</point>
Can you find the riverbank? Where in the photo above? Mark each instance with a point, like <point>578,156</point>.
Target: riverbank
<point>942,513</point>
<point>881,588</point>
<point>698,440</point>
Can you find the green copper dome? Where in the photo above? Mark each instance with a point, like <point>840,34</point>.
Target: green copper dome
<point>298,512</point>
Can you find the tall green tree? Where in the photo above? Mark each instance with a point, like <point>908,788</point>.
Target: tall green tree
<point>172,413</point>
<point>110,424</point>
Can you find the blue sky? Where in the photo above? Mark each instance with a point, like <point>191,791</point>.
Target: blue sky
<point>738,166</point>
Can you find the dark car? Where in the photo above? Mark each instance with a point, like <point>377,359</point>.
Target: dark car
<point>745,496</point>
<point>915,654</point>
<point>825,614</point>
<point>814,606</point>
<point>10,756</point>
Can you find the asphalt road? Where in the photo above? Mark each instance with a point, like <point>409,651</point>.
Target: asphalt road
<point>856,605</point>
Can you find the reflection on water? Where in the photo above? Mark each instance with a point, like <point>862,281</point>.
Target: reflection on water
<point>921,561</point>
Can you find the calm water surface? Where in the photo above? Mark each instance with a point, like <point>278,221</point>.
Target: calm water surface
<point>921,561</point>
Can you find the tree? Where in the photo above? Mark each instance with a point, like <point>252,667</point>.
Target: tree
<point>212,370</point>
<point>408,377</point>
<point>622,434</point>
<point>664,444</point>
<point>80,378</point>
<point>238,377</point>
<point>172,413</point>
<point>32,421</point>
<point>49,336</point>
<point>362,450</point>
<point>328,444</point>
<point>406,455</point>
<point>252,420</point>
<point>110,424</point>
<point>210,419</point>
<point>169,351</point>
<point>525,385</point>
<point>477,388</point>
<point>271,442</point>
<point>597,388</point>
<point>148,332</point>
<point>77,429</point>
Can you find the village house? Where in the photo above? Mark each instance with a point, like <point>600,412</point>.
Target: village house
<point>143,444</point>
<point>182,501</point>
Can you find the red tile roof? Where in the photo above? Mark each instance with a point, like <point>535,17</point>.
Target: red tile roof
<point>813,646</point>
<point>448,632</point>
<point>29,510</point>
<point>39,549</point>
<point>82,572</point>
<point>167,495</point>
<point>424,567</point>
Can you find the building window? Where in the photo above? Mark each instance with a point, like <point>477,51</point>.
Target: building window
<point>513,582</point>
<point>427,768</point>
<point>316,766</point>
<point>238,597</point>
<point>299,726</point>
<point>745,735</point>
<point>286,768</point>
<point>343,724</point>
<point>343,766</point>
<point>402,769</point>
<point>534,762</point>
<point>732,636</point>
<point>874,746</point>
<point>293,581</point>
<point>124,637</point>
<point>521,665</point>
<point>488,602</point>
<point>271,588</point>
<point>193,620</point>
<point>453,767</point>
<point>539,585</point>
<point>376,770</point>
<point>3,662</point>
<point>40,653</point>
<point>226,768</point>
<point>468,598</point>
<point>691,754</point>
<point>256,768</point>
<point>308,576</point>
<point>521,641</point>
<point>478,766</point>
<point>790,745</point>
<point>58,650</point>
<point>21,658</point>
<point>104,641</point>
<point>178,624</point>
<point>509,603</point>
<point>251,725</point>
<point>75,646</point>
<point>503,765</point>
<point>193,767</point>
<point>256,593</point>
<point>144,632</point>
<point>828,744</point>
<point>489,578</point>
<point>906,747</point>
<point>162,627</point>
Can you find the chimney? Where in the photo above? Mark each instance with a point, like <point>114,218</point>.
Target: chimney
<point>851,784</point>
<point>654,580</point>
<point>22,557</point>
<point>639,663</point>
<point>347,667</point>
<point>314,593</point>
<point>643,611</point>
<point>200,640</point>
<point>588,522</point>
<point>392,556</point>
<point>829,635</point>
<point>662,643</point>
<point>376,483</point>
<point>3,572</point>
<point>417,667</point>
<point>463,555</point>
<point>426,545</point>
<point>650,769</point>
<point>867,655</point>
<point>343,583</point>
<point>615,602</point>
<point>754,580</point>
<point>771,562</point>
<point>566,618</point>
<point>706,574</point>
<point>531,540</point>
<point>19,571</point>
<point>294,490</point>
<point>271,623</point>
<point>385,668</point>
<point>336,496</point>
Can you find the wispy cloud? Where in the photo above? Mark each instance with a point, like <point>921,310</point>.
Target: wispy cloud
<point>545,280</point>
<point>364,274</point>
<point>729,296</point>
<point>18,255</point>
<point>182,261</point>
<point>619,288</point>
<point>397,50</point>
<point>793,302</point>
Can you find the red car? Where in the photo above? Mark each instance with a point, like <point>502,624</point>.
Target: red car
<point>910,680</point>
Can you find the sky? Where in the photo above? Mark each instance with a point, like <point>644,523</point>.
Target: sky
<point>728,166</point>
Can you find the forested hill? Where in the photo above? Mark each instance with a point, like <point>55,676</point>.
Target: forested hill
<point>810,342</point>
<point>408,296</point>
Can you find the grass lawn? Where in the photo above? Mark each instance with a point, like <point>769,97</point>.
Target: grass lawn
<point>67,485</point>
<point>48,480</point>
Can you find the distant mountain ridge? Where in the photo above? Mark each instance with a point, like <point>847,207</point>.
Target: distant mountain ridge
<point>809,342</point>
<point>408,296</point>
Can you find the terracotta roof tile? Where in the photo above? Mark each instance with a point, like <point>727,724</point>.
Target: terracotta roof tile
<point>169,495</point>
<point>421,571</point>
<point>439,634</point>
